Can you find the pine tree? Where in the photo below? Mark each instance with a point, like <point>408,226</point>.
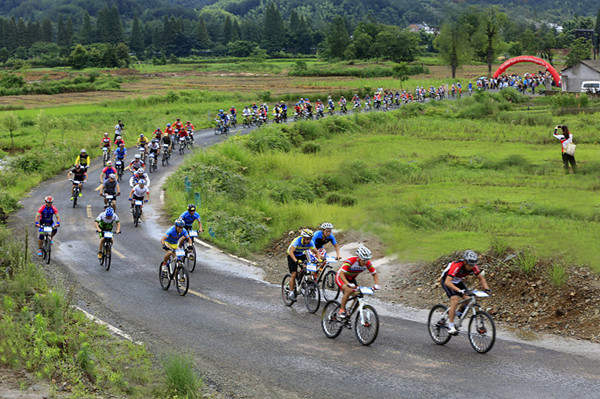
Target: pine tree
<point>227,30</point>
<point>236,33</point>
<point>47,30</point>
<point>22,33</point>
<point>337,37</point>
<point>61,37</point>
<point>87,30</point>
<point>202,34</point>
<point>103,25</point>
<point>136,43</point>
<point>274,34</point>
<point>69,31</point>
<point>35,32</point>
<point>117,34</point>
<point>12,41</point>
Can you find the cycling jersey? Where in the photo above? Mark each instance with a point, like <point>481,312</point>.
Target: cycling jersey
<point>169,131</point>
<point>78,174</point>
<point>140,192</point>
<point>110,187</point>
<point>120,153</point>
<point>172,237</point>
<point>154,147</point>
<point>119,142</point>
<point>183,133</point>
<point>320,240</point>
<point>105,142</point>
<point>458,272</point>
<point>47,214</point>
<point>83,159</point>
<point>137,177</point>
<point>178,125</point>
<point>104,223</point>
<point>351,268</point>
<point>189,127</point>
<point>143,142</point>
<point>300,246</point>
<point>189,218</point>
<point>137,163</point>
<point>108,170</point>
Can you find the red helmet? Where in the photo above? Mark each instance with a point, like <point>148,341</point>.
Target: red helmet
<point>49,199</point>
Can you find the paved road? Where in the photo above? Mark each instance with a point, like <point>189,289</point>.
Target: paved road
<point>249,345</point>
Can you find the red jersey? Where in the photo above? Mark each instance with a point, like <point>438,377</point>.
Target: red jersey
<point>189,126</point>
<point>458,272</point>
<point>178,125</point>
<point>170,131</point>
<point>158,134</point>
<point>352,268</point>
<point>105,142</point>
<point>182,133</point>
<point>119,142</point>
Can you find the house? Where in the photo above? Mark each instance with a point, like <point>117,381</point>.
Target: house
<point>587,70</point>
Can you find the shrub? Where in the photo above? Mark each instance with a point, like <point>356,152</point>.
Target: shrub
<point>311,148</point>
<point>498,245</point>
<point>526,261</point>
<point>340,199</point>
<point>558,275</point>
<point>181,380</point>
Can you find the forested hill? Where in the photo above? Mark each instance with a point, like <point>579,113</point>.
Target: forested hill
<point>395,12</point>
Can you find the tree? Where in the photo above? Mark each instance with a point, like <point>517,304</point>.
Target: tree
<point>12,123</point>
<point>492,21</point>
<point>87,35</point>
<point>79,57</point>
<point>202,34</point>
<point>227,30</point>
<point>337,38</point>
<point>274,34</point>
<point>47,30</point>
<point>45,124</point>
<point>580,51</point>
<point>136,42</point>
<point>452,43</point>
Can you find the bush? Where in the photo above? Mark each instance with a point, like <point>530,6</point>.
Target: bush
<point>340,199</point>
<point>526,261</point>
<point>557,275</point>
<point>311,148</point>
<point>181,380</point>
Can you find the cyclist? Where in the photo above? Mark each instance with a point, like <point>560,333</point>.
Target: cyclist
<point>342,104</point>
<point>454,286</point>
<point>154,148</point>
<point>120,153</point>
<point>45,217</point>
<point>174,238</point>
<point>283,107</point>
<point>83,159</point>
<point>142,142</point>
<point>157,133</point>
<point>166,138</point>
<point>323,236</point>
<point>136,163</point>
<point>222,118</point>
<point>139,175</point>
<point>79,175</point>
<point>189,216</point>
<point>105,142</point>
<point>254,108</point>
<point>183,133</point>
<point>104,222</point>
<point>246,113</point>
<point>233,113</point>
<point>190,129</point>
<point>108,170</point>
<point>345,278</point>
<point>178,125</point>
<point>118,141</point>
<point>110,187</point>
<point>296,254</point>
<point>139,192</point>
<point>119,127</point>
<point>276,113</point>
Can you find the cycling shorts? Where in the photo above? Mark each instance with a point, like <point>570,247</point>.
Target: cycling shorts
<point>166,140</point>
<point>339,281</point>
<point>292,266</point>
<point>172,246</point>
<point>450,292</point>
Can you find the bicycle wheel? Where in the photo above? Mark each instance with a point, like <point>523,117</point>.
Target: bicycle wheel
<point>330,289</point>
<point>285,290</point>
<point>329,322</point>
<point>217,130</point>
<point>75,196</point>
<point>164,159</point>
<point>482,332</point>
<point>366,325</point>
<point>182,280</point>
<point>48,250</point>
<point>136,215</point>
<point>191,258</point>
<point>163,276</point>
<point>107,255</point>
<point>437,324</point>
<point>312,296</point>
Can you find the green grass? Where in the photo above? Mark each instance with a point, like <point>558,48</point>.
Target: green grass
<point>425,185</point>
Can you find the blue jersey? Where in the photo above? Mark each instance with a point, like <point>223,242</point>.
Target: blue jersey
<point>300,247</point>
<point>188,218</point>
<point>120,153</point>
<point>47,214</point>
<point>320,241</point>
<point>173,237</point>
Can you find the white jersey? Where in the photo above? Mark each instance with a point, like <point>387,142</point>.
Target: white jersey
<point>140,192</point>
<point>103,219</point>
<point>134,179</point>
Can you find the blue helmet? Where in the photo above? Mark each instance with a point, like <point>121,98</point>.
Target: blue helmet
<point>179,223</point>
<point>109,212</point>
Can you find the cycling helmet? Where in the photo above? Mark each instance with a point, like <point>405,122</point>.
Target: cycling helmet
<point>109,212</point>
<point>177,118</point>
<point>168,125</point>
<point>141,181</point>
<point>155,141</point>
<point>220,110</point>
<point>326,225</point>
<point>140,171</point>
<point>49,199</point>
<point>363,253</point>
<point>112,176</point>
<point>192,208</point>
<point>77,166</point>
<point>188,122</point>
<point>470,257</point>
<point>108,163</point>
<point>307,233</point>
<point>141,135</point>
<point>118,137</point>
<point>179,223</point>
<point>138,156</point>
<point>83,151</point>
<point>106,134</point>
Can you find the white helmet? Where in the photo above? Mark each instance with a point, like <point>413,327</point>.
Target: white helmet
<point>138,156</point>
<point>326,225</point>
<point>363,253</point>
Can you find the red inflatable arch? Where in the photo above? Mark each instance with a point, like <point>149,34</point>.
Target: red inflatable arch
<point>528,58</point>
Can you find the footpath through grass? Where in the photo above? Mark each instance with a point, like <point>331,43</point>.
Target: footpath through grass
<point>427,179</point>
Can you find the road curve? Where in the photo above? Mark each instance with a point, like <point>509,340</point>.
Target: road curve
<point>248,344</point>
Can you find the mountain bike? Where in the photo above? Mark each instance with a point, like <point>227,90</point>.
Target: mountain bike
<point>326,277</point>
<point>343,109</point>
<point>182,145</point>
<point>482,330</point>
<point>166,155</point>
<point>246,122</point>
<point>152,164</point>
<point>189,139</point>
<point>221,128</point>
<point>305,286</point>
<point>190,252</point>
<point>105,260</point>
<point>366,322</point>
<point>120,169</point>
<point>176,271</point>
<point>76,191</point>
<point>105,155</point>
<point>110,200</point>
<point>233,123</point>
<point>137,212</point>
<point>46,231</point>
